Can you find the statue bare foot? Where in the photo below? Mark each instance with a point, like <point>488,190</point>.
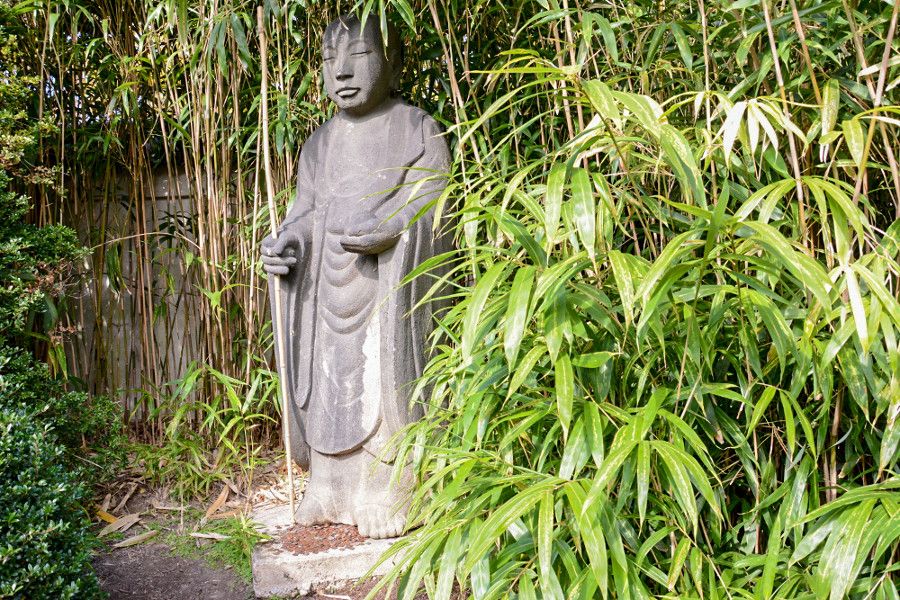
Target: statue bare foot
<point>311,511</point>
<point>380,521</point>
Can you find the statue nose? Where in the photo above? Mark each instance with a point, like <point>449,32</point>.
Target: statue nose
<point>343,73</point>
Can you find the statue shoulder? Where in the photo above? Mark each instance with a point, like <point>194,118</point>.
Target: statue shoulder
<point>417,118</point>
<point>317,138</point>
<point>422,131</point>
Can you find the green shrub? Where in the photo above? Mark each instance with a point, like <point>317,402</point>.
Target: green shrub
<point>53,442</point>
<point>53,445</point>
<point>33,261</point>
<point>87,428</point>
<point>43,529</point>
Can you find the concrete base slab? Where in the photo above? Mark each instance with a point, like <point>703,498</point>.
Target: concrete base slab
<point>280,573</point>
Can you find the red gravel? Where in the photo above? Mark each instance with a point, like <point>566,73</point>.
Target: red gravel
<point>318,538</point>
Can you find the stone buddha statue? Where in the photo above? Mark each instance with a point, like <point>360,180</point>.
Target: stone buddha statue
<point>356,339</point>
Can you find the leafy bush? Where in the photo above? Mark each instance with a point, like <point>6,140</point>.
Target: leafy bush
<point>53,445</point>
<point>33,261</point>
<point>53,442</point>
<point>43,529</point>
<point>87,428</point>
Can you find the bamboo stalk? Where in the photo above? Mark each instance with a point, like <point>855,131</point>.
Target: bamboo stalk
<point>279,319</point>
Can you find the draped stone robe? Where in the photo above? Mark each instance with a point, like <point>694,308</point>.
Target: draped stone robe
<point>354,343</point>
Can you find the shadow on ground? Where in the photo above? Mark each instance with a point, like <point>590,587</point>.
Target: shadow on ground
<point>150,572</point>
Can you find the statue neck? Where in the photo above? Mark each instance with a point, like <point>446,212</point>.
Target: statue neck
<point>375,113</point>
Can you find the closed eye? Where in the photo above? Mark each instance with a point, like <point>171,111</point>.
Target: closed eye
<point>361,53</point>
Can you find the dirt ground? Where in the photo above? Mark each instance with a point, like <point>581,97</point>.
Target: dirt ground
<point>151,572</point>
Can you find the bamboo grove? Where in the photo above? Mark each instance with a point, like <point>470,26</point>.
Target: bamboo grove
<point>671,364</point>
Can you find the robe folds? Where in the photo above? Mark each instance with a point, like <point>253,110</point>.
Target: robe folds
<point>355,339</point>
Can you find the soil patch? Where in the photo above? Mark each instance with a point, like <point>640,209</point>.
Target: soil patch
<point>150,572</point>
<point>318,538</point>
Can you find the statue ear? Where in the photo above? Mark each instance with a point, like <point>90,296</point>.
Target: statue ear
<point>395,59</point>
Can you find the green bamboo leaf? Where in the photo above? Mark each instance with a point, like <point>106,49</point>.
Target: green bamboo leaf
<point>839,554</point>
<point>480,578</point>
<point>891,436</point>
<point>618,453</point>
<point>593,360</point>
<point>219,35</point>
<point>584,208</point>
<point>575,452</point>
<point>678,246</point>
<point>877,287</point>
<point>807,270</point>
<point>643,479</point>
<point>449,557</point>
<point>678,558</point>
<point>831,96</point>
<point>593,427</point>
<point>779,331</point>
<point>406,12</point>
<point>684,47</point>
<point>500,520</point>
<point>624,278</point>
<point>790,427</point>
<point>517,312</point>
<point>476,307</point>
<point>240,38</point>
<point>770,568</point>
<point>768,196</point>
<point>647,111</point>
<point>565,390</point>
<point>513,228</point>
<point>591,535</point>
<point>681,482</point>
<point>812,540</point>
<point>553,203</point>
<point>545,543</point>
<point>857,308</point>
<point>526,589</point>
<point>602,100</point>
<point>840,202</point>
<point>855,138</point>
<point>609,38</point>
<point>759,409</point>
<point>680,157</point>
<point>525,368</point>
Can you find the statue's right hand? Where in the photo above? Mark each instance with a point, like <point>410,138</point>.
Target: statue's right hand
<point>280,254</point>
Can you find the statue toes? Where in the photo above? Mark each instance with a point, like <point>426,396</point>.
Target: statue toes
<point>397,527</point>
<point>310,512</point>
<point>379,522</point>
<point>364,526</point>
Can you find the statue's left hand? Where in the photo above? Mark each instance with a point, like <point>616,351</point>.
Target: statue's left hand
<point>371,235</point>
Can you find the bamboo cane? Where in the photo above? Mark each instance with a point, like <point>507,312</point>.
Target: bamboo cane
<point>279,318</point>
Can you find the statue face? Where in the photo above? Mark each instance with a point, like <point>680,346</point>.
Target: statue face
<point>357,72</point>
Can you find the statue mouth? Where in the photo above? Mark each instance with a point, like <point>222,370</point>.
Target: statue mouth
<point>348,92</point>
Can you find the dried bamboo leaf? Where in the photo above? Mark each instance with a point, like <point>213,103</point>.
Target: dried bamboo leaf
<point>138,539</point>
<point>120,524</point>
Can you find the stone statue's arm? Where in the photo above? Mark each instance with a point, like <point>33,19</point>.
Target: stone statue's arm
<point>379,230</point>
<point>280,255</point>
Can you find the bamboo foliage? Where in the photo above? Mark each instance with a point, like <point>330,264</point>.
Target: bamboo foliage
<point>675,372</point>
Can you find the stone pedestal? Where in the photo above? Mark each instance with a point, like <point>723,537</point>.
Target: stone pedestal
<point>278,572</point>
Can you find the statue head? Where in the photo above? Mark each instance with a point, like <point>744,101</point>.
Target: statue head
<point>360,73</point>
